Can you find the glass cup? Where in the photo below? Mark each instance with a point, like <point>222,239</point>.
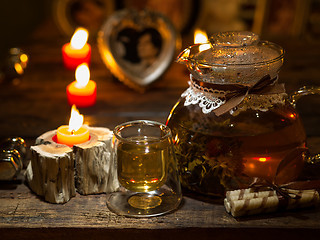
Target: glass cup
<point>146,169</point>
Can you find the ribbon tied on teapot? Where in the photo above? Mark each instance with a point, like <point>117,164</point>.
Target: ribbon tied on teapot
<point>221,98</point>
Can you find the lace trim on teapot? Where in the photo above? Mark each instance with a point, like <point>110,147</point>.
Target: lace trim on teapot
<point>259,102</point>
<point>210,99</point>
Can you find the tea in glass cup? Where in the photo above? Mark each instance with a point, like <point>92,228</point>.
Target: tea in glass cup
<point>146,168</point>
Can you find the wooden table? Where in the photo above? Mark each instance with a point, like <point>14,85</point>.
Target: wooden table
<point>37,103</point>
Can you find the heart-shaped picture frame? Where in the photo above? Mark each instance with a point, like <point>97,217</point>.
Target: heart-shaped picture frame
<point>138,46</point>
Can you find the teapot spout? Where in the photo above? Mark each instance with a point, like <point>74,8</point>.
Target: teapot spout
<point>184,56</point>
<point>191,54</point>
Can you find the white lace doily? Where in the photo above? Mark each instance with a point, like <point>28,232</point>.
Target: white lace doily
<point>207,101</point>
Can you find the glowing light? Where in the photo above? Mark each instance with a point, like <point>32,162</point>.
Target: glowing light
<point>82,92</point>
<point>79,38</point>
<point>176,139</point>
<point>171,112</point>
<point>252,166</point>
<point>24,60</point>
<point>75,132</point>
<point>76,120</point>
<point>77,51</point>
<point>292,115</point>
<point>18,68</point>
<point>201,37</point>
<point>154,180</point>
<point>261,159</point>
<point>82,75</point>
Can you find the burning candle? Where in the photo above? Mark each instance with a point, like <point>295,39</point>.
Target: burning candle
<point>200,37</point>
<point>75,132</point>
<point>83,91</point>
<point>77,51</point>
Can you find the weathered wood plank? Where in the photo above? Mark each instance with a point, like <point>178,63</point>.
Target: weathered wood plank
<point>20,208</point>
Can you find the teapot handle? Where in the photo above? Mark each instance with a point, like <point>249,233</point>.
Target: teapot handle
<point>312,160</point>
<point>304,91</point>
<point>312,166</point>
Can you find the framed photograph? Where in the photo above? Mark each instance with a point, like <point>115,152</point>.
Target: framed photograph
<point>90,14</point>
<point>138,46</point>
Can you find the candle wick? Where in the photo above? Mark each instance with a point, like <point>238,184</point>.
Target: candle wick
<point>72,132</point>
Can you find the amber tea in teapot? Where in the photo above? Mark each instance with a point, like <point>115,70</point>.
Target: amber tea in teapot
<point>234,122</point>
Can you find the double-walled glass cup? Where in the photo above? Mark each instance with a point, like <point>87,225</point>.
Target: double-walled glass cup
<point>146,168</point>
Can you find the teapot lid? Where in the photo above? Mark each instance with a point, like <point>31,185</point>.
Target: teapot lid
<point>233,58</point>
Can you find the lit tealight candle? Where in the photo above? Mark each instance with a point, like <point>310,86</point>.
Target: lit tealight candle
<point>201,37</point>
<point>77,51</point>
<point>75,132</point>
<point>83,91</point>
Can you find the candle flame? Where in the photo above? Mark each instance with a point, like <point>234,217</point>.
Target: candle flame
<point>76,120</point>
<point>82,75</point>
<point>200,37</point>
<point>79,38</point>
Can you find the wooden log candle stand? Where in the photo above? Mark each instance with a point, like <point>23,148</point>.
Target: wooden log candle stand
<point>57,171</point>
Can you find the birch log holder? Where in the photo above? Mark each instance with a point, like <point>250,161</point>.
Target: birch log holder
<point>57,171</point>
<point>61,166</point>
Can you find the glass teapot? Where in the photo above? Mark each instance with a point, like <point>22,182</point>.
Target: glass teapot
<point>235,122</point>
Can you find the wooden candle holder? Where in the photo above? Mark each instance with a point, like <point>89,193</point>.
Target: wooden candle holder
<point>57,171</point>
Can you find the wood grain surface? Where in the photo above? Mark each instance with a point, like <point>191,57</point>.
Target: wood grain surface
<point>21,210</point>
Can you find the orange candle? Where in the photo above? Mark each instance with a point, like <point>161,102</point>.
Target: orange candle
<point>75,132</point>
<point>77,51</point>
<point>83,91</point>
